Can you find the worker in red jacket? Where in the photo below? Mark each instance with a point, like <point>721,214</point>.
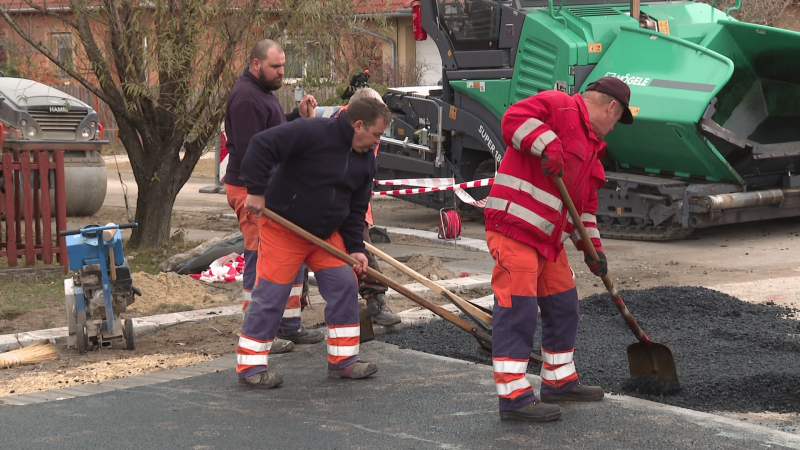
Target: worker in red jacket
<point>549,134</point>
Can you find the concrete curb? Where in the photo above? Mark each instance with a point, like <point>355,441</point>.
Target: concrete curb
<point>475,245</point>
<point>421,316</point>
<point>151,323</point>
<point>455,285</point>
<point>214,365</point>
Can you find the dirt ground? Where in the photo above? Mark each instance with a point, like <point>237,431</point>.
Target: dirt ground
<point>176,346</point>
<point>756,253</point>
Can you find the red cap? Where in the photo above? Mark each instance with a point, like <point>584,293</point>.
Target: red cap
<point>617,89</point>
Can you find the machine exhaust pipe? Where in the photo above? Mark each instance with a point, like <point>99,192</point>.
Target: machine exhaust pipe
<point>742,199</point>
<point>635,9</point>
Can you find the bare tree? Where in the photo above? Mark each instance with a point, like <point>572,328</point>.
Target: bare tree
<point>329,35</point>
<point>763,12</point>
<point>409,74</point>
<point>164,68</point>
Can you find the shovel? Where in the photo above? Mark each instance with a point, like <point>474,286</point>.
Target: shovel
<point>438,310</point>
<point>475,312</point>
<point>481,316</point>
<point>645,358</point>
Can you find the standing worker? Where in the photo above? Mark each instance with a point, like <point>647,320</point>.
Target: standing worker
<point>322,182</point>
<point>549,134</point>
<point>252,108</point>
<point>371,290</point>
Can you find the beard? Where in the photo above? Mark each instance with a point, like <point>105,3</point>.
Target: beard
<point>270,84</point>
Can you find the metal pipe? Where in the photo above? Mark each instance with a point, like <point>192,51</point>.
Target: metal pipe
<point>399,14</point>
<point>742,199</point>
<point>405,144</point>
<point>394,49</point>
<point>439,161</point>
<point>635,10</point>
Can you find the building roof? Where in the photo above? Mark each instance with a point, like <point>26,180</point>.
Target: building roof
<point>22,5</point>
<point>361,6</point>
<point>380,6</point>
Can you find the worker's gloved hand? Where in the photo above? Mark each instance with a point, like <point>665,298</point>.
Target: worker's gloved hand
<point>552,163</point>
<point>598,267</point>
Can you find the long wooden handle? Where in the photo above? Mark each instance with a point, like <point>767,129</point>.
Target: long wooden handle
<point>112,266</point>
<point>438,310</point>
<point>587,243</point>
<point>472,309</point>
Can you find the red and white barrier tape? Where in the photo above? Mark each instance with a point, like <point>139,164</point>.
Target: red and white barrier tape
<point>421,182</point>
<point>466,198</point>
<point>436,184</point>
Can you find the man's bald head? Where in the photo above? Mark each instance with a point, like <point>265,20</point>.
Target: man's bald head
<point>261,49</point>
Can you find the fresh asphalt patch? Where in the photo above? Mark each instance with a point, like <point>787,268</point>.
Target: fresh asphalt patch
<point>730,355</point>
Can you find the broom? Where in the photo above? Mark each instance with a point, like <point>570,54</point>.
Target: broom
<point>32,354</point>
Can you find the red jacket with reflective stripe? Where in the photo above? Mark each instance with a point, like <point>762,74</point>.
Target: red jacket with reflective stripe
<point>524,203</point>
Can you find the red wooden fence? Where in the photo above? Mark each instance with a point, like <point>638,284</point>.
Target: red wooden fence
<point>26,228</point>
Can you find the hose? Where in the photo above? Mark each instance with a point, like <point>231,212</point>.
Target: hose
<point>449,225</point>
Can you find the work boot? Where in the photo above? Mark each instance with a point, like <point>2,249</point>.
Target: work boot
<point>381,314</point>
<point>304,336</point>
<point>533,412</point>
<point>581,393</point>
<point>262,380</point>
<point>281,346</point>
<point>359,369</point>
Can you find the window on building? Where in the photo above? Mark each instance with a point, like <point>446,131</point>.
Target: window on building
<point>304,60</point>
<point>63,51</point>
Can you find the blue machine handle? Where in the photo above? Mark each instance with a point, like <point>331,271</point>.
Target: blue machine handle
<point>92,229</point>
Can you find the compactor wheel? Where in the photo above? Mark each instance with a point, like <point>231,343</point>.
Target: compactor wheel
<point>127,332</point>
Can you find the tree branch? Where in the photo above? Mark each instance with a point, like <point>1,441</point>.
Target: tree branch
<point>222,60</point>
<point>50,12</point>
<point>43,50</point>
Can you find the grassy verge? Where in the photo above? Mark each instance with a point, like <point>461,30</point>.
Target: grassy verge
<point>149,259</point>
<point>23,294</point>
<point>30,292</point>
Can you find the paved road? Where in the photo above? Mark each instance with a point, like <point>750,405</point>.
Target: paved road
<point>415,401</point>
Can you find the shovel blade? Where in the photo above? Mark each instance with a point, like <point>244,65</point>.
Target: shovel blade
<point>647,360</point>
<point>365,323</point>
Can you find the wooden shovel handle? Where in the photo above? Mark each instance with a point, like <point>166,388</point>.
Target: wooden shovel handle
<point>587,243</point>
<point>472,309</point>
<point>438,310</point>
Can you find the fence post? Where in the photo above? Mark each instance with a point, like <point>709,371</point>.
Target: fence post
<point>218,187</point>
<point>61,209</point>
<point>27,205</point>
<point>11,208</point>
<point>43,157</point>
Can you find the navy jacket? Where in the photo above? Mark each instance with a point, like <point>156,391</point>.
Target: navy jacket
<point>250,109</point>
<point>319,183</point>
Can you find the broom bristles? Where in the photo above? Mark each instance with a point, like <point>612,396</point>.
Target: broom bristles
<point>33,354</point>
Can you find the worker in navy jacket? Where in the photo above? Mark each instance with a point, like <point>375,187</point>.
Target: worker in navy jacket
<point>252,108</point>
<point>322,182</point>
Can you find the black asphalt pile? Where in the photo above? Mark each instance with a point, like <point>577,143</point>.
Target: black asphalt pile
<point>730,355</point>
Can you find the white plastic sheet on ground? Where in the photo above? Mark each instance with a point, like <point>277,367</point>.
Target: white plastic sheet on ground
<point>223,269</point>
